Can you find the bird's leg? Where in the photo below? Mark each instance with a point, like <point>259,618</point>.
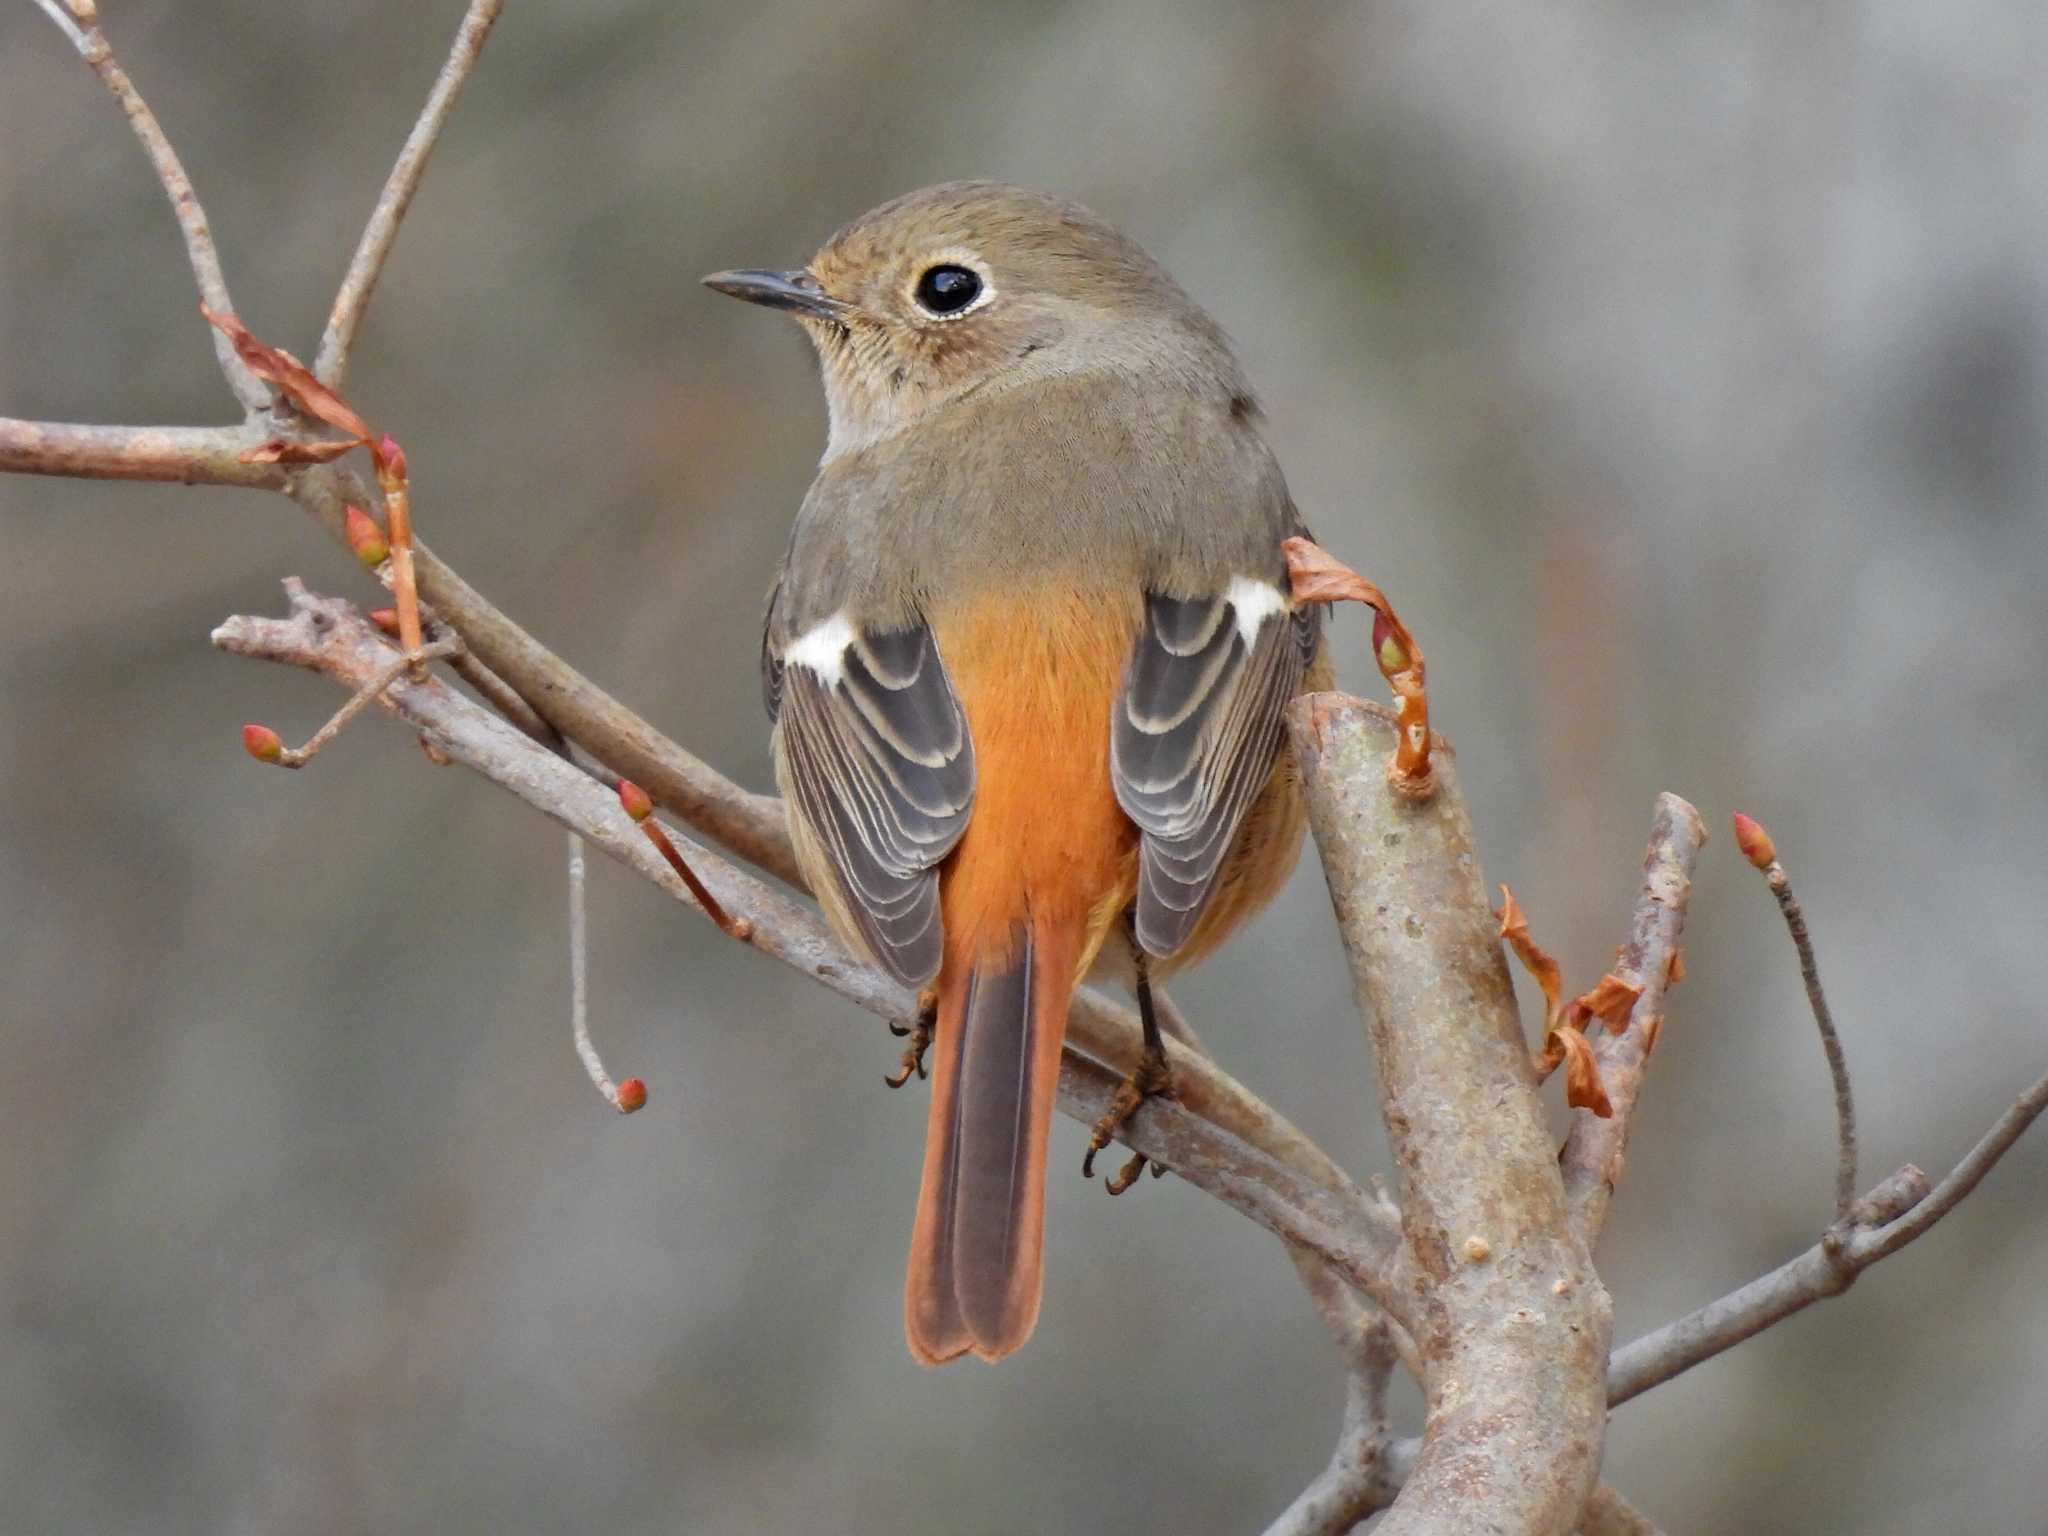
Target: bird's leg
<point>1152,1079</point>
<point>920,1037</point>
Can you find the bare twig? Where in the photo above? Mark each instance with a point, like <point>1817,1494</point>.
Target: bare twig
<point>1650,959</point>
<point>353,297</point>
<point>632,1093</point>
<point>366,693</point>
<point>1513,1322</point>
<point>1892,1215</point>
<point>93,47</point>
<point>748,824</point>
<point>641,808</point>
<point>1757,847</point>
<point>1831,1042</point>
<point>1340,1227</point>
<point>1356,1482</point>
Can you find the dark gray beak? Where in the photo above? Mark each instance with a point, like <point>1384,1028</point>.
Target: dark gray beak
<point>797,291</point>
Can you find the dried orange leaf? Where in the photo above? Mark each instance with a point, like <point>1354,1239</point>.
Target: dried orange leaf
<point>279,367</point>
<point>1537,961</point>
<point>1582,1086</point>
<point>1610,1001</point>
<point>1318,576</point>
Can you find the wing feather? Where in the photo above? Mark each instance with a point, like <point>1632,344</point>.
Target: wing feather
<point>880,767</point>
<point>1197,727</point>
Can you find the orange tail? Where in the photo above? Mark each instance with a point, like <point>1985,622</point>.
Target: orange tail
<point>977,1255</point>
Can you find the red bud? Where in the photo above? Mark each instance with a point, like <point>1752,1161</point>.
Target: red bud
<point>1754,841</point>
<point>365,537</point>
<point>385,619</point>
<point>262,743</point>
<point>391,460</point>
<point>635,800</point>
<point>632,1095</point>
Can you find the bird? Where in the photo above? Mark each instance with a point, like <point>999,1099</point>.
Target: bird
<point>1027,659</point>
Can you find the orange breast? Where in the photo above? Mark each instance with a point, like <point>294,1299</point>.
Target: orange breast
<point>1037,673</point>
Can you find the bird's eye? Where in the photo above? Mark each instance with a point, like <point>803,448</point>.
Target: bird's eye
<point>947,289</point>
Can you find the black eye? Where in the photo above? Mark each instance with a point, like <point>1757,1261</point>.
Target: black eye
<point>946,290</point>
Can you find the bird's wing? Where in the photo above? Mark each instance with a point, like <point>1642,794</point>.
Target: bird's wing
<point>1196,729</point>
<point>879,766</point>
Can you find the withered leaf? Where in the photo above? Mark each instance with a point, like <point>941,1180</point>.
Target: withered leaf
<point>1537,961</point>
<point>279,367</point>
<point>1582,1086</point>
<point>1610,1001</point>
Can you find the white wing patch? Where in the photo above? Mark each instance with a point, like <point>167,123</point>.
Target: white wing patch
<point>1254,602</point>
<point>821,650</point>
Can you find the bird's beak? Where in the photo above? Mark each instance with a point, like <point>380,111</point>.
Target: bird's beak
<point>797,291</point>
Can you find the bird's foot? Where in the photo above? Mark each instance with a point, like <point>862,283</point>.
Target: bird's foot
<point>920,1039</point>
<point>1153,1079</point>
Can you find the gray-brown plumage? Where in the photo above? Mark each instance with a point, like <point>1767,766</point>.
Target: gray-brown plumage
<point>1027,658</point>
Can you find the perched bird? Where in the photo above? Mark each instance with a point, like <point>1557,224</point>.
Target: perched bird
<point>1027,658</point>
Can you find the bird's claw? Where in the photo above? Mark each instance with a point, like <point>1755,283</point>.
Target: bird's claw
<point>920,1041</point>
<point>1152,1080</point>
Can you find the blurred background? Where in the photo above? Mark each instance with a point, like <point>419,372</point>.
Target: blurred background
<point>1682,370</point>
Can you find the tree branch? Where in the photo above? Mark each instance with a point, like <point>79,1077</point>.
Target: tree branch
<point>1594,1152</point>
<point>352,300</point>
<point>172,455</point>
<point>1357,1480</point>
<point>1513,1320</point>
<point>93,47</point>
<point>1892,1215</point>
<point>328,636</point>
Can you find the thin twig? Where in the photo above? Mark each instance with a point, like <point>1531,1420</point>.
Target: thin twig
<point>1894,1214</point>
<point>353,297</point>
<point>1754,840</point>
<point>1830,1040</point>
<point>632,1093</point>
<point>366,693</point>
<point>93,47</point>
<point>747,824</point>
<point>1356,1482</point>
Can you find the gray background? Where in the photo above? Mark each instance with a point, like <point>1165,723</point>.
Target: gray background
<point>1679,368</point>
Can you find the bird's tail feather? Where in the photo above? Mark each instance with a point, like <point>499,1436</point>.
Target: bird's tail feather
<point>977,1253</point>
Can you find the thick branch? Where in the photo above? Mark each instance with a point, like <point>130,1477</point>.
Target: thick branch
<point>328,636</point>
<point>176,455</point>
<point>1514,1322</point>
<point>1594,1153</point>
<point>353,298</point>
